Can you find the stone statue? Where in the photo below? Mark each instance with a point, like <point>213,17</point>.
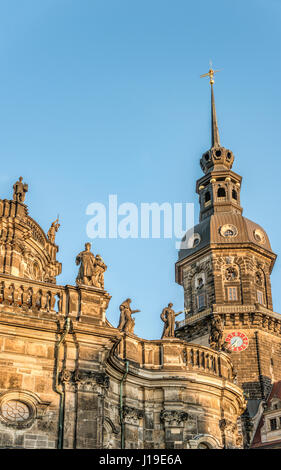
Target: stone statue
<point>87,260</point>
<point>215,338</point>
<point>168,316</point>
<point>52,231</point>
<point>126,322</point>
<point>100,268</point>
<point>20,189</point>
<point>91,269</point>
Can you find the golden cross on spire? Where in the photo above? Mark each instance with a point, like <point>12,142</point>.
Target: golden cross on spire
<point>215,129</point>
<point>210,74</point>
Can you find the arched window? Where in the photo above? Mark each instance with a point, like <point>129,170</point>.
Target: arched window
<point>234,194</point>
<point>221,192</point>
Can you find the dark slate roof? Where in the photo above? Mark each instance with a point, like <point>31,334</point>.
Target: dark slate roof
<point>209,231</point>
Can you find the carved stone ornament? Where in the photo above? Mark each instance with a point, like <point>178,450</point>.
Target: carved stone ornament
<point>259,278</point>
<point>239,441</point>
<point>89,380</point>
<point>228,230</point>
<point>215,338</point>
<point>259,236</point>
<point>227,425</point>
<point>132,415</point>
<point>231,273</point>
<point>173,417</point>
<point>66,375</point>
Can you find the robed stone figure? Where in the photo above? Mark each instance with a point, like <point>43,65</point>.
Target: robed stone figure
<point>91,269</point>
<point>126,322</point>
<point>52,231</point>
<point>168,316</point>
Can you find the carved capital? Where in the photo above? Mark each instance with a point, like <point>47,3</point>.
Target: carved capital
<point>66,376</point>
<point>173,417</point>
<point>132,415</point>
<point>85,380</point>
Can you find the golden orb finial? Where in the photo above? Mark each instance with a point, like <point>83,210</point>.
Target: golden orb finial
<point>210,74</point>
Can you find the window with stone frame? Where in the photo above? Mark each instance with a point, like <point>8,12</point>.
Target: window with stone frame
<point>260,298</point>
<point>232,293</point>
<point>201,301</point>
<point>273,424</point>
<point>15,411</point>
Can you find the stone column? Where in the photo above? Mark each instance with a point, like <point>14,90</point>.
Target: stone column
<point>84,411</point>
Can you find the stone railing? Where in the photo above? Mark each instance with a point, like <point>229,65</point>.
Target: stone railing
<point>174,354</point>
<point>79,302</point>
<point>24,295</point>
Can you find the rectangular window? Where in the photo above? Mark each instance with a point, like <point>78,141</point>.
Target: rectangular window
<point>273,424</point>
<point>201,301</point>
<point>260,297</point>
<point>232,293</point>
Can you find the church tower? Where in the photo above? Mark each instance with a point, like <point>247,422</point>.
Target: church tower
<point>224,266</point>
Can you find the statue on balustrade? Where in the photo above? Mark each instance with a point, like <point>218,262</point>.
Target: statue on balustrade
<point>20,189</point>
<point>100,268</point>
<point>126,322</point>
<point>168,316</point>
<point>52,230</point>
<point>91,269</point>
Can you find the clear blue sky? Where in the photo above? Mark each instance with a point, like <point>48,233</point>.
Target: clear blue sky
<point>104,97</point>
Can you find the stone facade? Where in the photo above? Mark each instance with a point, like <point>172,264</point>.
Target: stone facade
<point>69,379</point>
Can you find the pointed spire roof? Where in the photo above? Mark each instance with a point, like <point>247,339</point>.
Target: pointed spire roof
<point>215,129</point>
<point>217,157</point>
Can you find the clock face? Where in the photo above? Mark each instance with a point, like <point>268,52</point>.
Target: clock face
<point>237,341</point>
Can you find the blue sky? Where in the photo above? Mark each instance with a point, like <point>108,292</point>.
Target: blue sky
<point>104,97</point>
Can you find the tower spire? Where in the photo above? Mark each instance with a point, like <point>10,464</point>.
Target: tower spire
<point>215,129</point>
